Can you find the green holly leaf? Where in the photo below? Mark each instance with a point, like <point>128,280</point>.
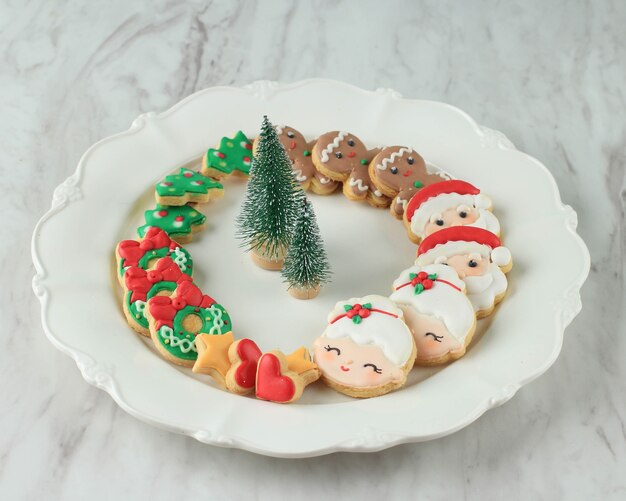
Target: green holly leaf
<point>419,288</point>
<point>356,319</point>
<point>347,307</point>
<point>412,275</point>
<point>433,276</point>
<point>367,306</point>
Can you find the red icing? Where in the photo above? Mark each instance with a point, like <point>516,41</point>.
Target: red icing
<point>219,154</point>
<point>247,146</point>
<point>167,183</point>
<point>435,189</point>
<point>459,233</point>
<point>164,308</point>
<point>132,250</point>
<point>246,160</point>
<point>271,384</point>
<point>140,281</point>
<point>249,353</point>
<point>188,174</point>
<point>162,213</point>
<point>179,218</point>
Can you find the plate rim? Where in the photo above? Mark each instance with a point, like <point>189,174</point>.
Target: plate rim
<point>365,440</point>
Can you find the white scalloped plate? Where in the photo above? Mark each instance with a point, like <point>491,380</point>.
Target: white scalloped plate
<point>92,210</point>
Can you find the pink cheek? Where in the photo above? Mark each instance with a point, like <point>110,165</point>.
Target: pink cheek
<point>327,356</point>
<point>372,377</point>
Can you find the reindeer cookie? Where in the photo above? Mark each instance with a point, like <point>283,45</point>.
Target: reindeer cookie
<point>398,172</point>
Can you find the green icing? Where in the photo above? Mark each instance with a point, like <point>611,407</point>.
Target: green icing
<point>174,220</point>
<point>186,181</point>
<point>187,262</point>
<point>180,342</point>
<point>232,154</point>
<point>136,313</point>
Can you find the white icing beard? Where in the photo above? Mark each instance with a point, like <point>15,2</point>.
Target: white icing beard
<point>487,221</point>
<point>482,290</point>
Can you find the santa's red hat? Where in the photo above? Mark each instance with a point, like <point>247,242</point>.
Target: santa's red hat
<point>437,197</point>
<point>456,240</point>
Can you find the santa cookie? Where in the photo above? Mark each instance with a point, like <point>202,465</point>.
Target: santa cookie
<point>448,203</point>
<point>398,172</point>
<point>479,259</point>
<point>342,156</point>
<point>436,310</point>
<point>299,152</point>
<point>366,350</point>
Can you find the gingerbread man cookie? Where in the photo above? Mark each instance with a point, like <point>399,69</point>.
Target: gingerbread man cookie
<point>398,172</point>
<point>342,156</point>
<point>299,152</point>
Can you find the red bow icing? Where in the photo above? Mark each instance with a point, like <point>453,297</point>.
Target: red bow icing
<point>164,308</point>
<point>132,250</point>
<point>139,281</point>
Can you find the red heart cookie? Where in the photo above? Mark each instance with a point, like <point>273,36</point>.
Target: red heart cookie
<point>249,354</point>
<point>274,381</point>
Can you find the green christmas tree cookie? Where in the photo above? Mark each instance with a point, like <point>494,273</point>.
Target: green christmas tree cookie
<point>179,222</point>
<point>232,156</point>
<point>269,209</point>
<point>306,266</point>
<point>187,186</point>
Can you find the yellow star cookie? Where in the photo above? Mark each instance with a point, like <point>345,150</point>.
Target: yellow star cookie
<point>300,362</point>
<point>213,355</point>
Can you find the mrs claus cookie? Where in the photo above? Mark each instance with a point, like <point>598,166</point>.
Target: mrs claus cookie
<point>366,350</point>
<point>399,172</point>
<point>437,311</point>
<point>448,203</point>
<point>478,258</point>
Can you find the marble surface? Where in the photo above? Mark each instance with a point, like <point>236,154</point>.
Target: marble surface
<point>551,75</point>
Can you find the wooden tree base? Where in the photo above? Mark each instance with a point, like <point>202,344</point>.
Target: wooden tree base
<point>265,263</point>
<point>304,293</point>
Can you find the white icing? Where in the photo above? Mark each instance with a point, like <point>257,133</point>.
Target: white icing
<point>358,183</point>
<point>332,145</point>
<point>279,129</point>
<point>396,154</point>
<point>299,176</point>
<point>442,301</point>
<point>377,193</point>
<point>185,345</point>
<point>140,306</point>
<point>402,201</point>
<point>180,258</point>
<point>439,204</point>
<point>482,201</point>
<point>218,321</point>
<point>385,331</point>
<point>324,180</point>
<point>501,256</point>
<point>177,224</point>
<point>482,295</point>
